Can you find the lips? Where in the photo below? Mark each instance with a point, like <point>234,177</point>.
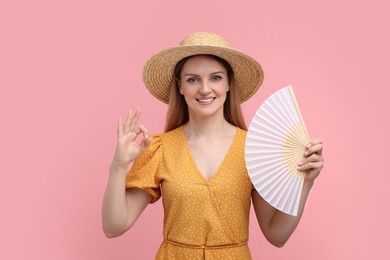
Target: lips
<point>205,100</point>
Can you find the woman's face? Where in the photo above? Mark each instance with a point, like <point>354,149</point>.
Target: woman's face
<point>204,84</point>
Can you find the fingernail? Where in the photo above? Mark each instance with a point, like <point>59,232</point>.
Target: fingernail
<point>308,146</point>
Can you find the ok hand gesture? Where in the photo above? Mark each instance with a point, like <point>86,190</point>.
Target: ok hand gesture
<point>128,148</point>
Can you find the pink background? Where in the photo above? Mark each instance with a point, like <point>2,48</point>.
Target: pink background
<point>69,68</point>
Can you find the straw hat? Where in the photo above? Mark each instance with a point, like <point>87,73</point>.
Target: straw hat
<point>159,69</point>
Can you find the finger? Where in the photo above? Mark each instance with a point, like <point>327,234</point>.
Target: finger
<point>310,166</point>
<point>316,148</point>
<point>314,142</point>
<point>128,122</point>
<point>314,158</point>
<point>134,120</point>
<point>119,127</point>
<point>146,142</point>
<point>141,129</point>
<point>144,131</point>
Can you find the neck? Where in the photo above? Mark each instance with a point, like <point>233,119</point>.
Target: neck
<point>207,128</point>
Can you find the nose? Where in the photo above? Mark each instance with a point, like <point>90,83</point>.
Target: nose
<point>205,88</point>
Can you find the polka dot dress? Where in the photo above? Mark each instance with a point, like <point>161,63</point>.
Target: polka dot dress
<point>202,219</point>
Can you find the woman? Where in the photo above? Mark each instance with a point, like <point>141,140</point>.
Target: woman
<point>198,163</point>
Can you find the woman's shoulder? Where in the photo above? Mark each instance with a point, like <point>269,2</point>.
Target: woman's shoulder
<point>241,132</point>
<point>175,133</point>
<point>160,139</point>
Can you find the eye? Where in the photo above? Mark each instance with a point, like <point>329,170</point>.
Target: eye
<point>192,80</point>
<point>216,78</point>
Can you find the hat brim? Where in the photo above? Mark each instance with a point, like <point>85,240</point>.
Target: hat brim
<point>159,69</point>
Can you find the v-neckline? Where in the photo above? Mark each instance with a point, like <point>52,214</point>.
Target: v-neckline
<point>192,159</point>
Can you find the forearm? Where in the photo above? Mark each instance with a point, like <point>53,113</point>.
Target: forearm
<point>114,209</point>
<point>283,225</point>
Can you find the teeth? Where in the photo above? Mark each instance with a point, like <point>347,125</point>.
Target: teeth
<point>205,100</point>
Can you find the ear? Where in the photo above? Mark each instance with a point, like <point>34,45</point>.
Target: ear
<point>179,86</point>
<point>228,88</point>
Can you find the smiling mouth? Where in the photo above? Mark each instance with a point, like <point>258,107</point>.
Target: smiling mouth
<point>208,100</point>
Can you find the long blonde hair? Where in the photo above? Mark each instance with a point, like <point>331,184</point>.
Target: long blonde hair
<point>178,115</point>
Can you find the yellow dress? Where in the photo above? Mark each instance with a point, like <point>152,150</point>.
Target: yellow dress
<point>202,219</point>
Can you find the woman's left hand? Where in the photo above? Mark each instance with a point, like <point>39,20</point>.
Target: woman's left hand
<point>313,162</point>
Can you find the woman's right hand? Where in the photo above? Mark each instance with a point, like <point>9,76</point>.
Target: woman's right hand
<point>127,147</point>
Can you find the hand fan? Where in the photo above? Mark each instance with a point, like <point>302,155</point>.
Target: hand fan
<point>275,144</point>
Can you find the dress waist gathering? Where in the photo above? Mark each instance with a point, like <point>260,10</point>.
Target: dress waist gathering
<point>205,246</point>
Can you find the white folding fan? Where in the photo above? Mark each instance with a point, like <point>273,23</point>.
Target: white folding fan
<point>275,144</point>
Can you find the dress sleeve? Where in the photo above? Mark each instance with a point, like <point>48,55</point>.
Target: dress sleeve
<point>144,172</point>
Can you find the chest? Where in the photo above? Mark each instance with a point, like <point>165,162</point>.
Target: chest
<point>184,185</point>
<point>209,156</point>
<point>193,173</point>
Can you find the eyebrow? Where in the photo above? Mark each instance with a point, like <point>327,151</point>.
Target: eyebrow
<point>190,74</point>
